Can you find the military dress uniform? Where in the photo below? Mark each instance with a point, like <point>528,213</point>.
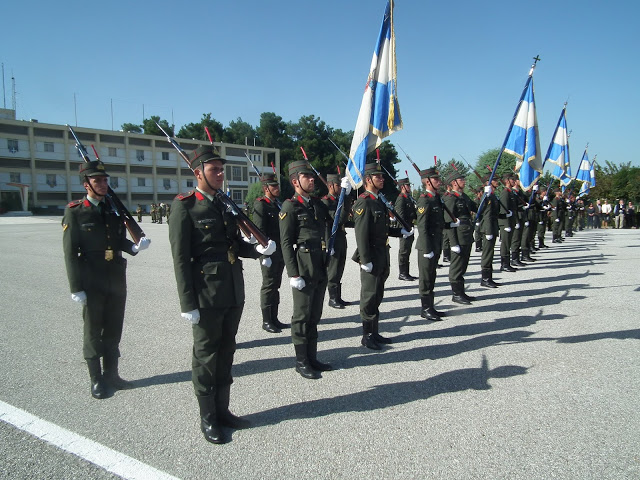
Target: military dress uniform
<point>517,232</point>
<point>336,263</point>
<point>507,222</point>
<point>265,216</point>
<point>558,208</point>
<point>93,240</point>
<point>206,247</point>
<point>461,206</point>
<point>304,228</point>
<point>430,225</point>
<point>489,230</point>
<point>372,229</point>
<point>406,208</point>
<point>542,206</point>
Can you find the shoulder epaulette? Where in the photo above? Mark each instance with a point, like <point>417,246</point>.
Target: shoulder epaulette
<point>75,203</point>
<point>263,199</point>
<point>367,195</point>
<point>184,196</point>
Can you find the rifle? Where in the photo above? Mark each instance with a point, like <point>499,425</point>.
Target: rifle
<point>255,169</point>
<point>444,205</point>
<point>314,169</point>
<point>244,223</point>
<point>115,203</point>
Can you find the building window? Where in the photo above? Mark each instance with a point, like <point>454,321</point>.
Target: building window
<point>12,145</point>
<point>113,152</point>
<point>141,182</point>
<point>189,183</point>
<point>166,183</point>
<point>236,195</point>
<point>140,155</point>
<point>236,174</point>
<point>48,146</point>
<point>14,177</point>
<point>51,179</point>
<point>113,181</point>
<point>165,155</point>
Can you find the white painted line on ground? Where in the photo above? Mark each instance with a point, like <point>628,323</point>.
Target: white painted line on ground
<point>93,452</point>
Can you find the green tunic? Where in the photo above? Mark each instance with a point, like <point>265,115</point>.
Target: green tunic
<point>335,267</point>
<point>461,206</point>
<point>265,216</point>
<point>407,210</point>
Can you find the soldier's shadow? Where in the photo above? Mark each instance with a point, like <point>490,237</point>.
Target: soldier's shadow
<point>390,395</point>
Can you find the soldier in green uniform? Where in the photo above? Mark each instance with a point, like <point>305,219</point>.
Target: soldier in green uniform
<point>335,267</point>
<point>557,216</point>
<point>265,215</point>
<point>460,235</point>
<point>489,230</point>
<point>93,240</point>
<point>429,242</point>
<point>154,212</point>
<point>406,208</point>
<point>507,222</point>
<point>372,253</point>
<point>304,228</point>
<point>206,245</point>
<point>518,215</point>
<point>139,212</point>
<point>543,206</point>
<point>529,225</point>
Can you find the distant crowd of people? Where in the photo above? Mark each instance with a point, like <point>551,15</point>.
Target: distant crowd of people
<point>603,215</point>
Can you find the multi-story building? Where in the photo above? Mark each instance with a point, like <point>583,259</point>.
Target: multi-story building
<point>143,169</point>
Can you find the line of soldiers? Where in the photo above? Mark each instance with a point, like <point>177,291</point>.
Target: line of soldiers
<point>158,211</point>
<point>207,245</point>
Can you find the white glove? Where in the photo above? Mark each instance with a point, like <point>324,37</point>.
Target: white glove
<point>526,224</point>
<point>536,187</point>
<point>297,282</point>
<point>193,316</point>
<point>477,224</point>
<point>545,198</point>
<point>79,297</point>
<point>456,249</point>
<point>489,237</point>
<point>143,244</point>
<point>509,214</point>
<point>406,234</point>
<point>252,240</point>
<point>507,229</point>
<point>455,224</point>
<point>266,262</point>
<point>517,226</point>
<point>268,250</point>
<point>332,252</point>
<point>344,183</point>
<point>526,207</point>
<point>557,220</point>
<point>367,267</point>
<point>429,255</point>
<point>487,189</point>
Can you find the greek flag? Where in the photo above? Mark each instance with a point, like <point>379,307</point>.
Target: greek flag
<point>584,174</point>
<point>523,140</point>
<point>379,113</point>
<point>592,172</point>
<point>558,152</point>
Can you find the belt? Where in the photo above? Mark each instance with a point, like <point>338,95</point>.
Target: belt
<point>464,221</point>
<point>101,253</point>
<point>310,247</point>
<point>213,257</point>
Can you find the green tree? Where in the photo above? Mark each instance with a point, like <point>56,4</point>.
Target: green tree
<point>239,132</point>
<point>255,191</point>
<point>150,127</point>
<point>131,128</point>
<point>196,130</point>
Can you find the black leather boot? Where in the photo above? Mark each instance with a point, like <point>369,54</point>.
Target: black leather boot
<point>464,294</point>
<point>111,376</point>
<point>446,255</point>
<point>427,309</point>
<point>209,421</point>
<point>505,266</point>
<point>98,385</point>
<point>274,316</point>
<point>404,273</point>
<point>515,260</point>
<point>312,351</point>
<point>486,279</point>
<point>225,417</point>
<point>333,298</point>
<point>339,299</point>
<point>458,295</point>
<point>303,367</point>
<point>478,245</point>
<point>367,336</point>
<point>526,255</point>
<point>376,334</point>
<point>433,306</point>
<point>267,322</point>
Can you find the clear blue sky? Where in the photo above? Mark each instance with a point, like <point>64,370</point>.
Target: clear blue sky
<point>461,66</point>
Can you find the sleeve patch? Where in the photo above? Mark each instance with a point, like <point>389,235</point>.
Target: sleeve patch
<point>421,210</point>
<point>360,211</point>
<point>282,215</point>
<point>65,226</point>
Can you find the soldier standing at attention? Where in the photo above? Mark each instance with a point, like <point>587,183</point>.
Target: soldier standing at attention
<point>304,225</point>
<point>489,230</point>
<point>335,268</point>
<point>93,240</point>
<point>406,208</point>
<point>265,216</point>
<point>460,236</point>
<point>372,253</point>
<point>139,212</point>
<point>154,211</point>
<point>558,208</point>
<point>205,244</point>
<point>507,223</point>
<point>429,242</point>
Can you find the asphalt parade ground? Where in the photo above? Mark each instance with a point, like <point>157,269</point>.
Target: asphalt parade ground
<point>537,379</point>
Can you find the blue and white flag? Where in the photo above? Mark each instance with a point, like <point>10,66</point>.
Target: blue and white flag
<point>584,171</point>
<point>379,113</point>
<point>523,140</point>
<point>592,172</point>
<point>558,152</point>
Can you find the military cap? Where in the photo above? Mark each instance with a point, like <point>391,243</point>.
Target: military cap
<point>269,179</point>
<point>333,178</point>
<point>372,168</point>
<point>204,154</point>
<point>508,176</point>
<point>429,173</point>
<point>92,169</point>
<point>454,176</point>
<point>300,166</point>
<point>404,181</point>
